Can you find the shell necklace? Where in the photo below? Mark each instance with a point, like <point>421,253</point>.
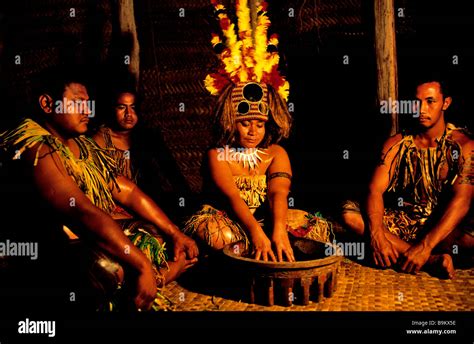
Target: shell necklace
<point>250,157</point>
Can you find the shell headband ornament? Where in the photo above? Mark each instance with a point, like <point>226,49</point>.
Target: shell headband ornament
<point>249,61</point>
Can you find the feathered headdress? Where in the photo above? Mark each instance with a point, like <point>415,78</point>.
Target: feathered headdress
<point>249,57</point>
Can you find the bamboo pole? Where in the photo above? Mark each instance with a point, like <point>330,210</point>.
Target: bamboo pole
<point>128,29</point>
<point>386,55</point>
<point>253,17</point>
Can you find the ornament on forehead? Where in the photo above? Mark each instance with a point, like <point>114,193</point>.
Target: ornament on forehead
<point>250,101</point>
<point>249,60</point>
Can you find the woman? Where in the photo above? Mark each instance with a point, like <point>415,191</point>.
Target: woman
<point>246,168</point>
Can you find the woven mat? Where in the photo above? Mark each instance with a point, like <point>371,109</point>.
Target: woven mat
<point>360,288</point>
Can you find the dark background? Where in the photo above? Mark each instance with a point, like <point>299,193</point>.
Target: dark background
<point>335,104</point>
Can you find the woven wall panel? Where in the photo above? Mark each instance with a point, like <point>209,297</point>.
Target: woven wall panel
<point>175,53</point>
<point>44,34</point>
<point>176,57</point>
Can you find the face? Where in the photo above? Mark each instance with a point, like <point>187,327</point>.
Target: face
<point>432,104</point>
<point>125,114</point>
<point>250,133</point>
<point>70,115</point>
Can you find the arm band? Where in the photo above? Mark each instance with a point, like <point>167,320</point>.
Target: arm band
<point>279,174</point>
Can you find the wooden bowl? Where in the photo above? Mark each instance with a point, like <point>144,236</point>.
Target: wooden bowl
<point>308,254</point>
<point>312,277</point>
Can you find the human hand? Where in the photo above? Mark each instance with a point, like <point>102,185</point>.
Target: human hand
<point>262,246</point>
<point>415,257</point>
<point>184,263</point>
<point>383,251</point>
<point>183,243</point>
<point>145,288</point>
<point>282,245</point>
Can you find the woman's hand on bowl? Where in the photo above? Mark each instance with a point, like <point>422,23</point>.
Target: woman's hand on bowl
<point>262,247</point>
<point>283,247</point>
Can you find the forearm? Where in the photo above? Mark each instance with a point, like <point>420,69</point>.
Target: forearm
<point>148,210</point>
<point>279,210</point>
<point>455,212</point>
<point>375,211</point>
<point>245,217</point>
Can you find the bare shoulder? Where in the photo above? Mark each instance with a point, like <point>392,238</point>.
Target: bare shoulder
<point>280,162</point>
<point>388,154</point>
<point>37,151</point>
<point>45,159</point>
<point>213,153</point>
<point>216,157</point>
<point>276,151</point>
<point>462,139</point>
<point>391,141</point>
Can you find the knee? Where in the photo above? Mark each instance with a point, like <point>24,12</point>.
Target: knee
<point>222,238</point>
<point>466,241</point>
<point>353,221</point>
<point>217,236</point>
<point>457,240</point>
<point>347,218</point>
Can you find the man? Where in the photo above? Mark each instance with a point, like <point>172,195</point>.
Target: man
<point>428,175</point>
<point>74,178</point>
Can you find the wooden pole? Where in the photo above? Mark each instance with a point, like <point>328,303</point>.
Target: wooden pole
<point>253,17</point>
<point>128,29</point>
<point>386,55</point>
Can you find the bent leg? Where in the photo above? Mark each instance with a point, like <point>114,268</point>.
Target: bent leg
<point>459,238</point>
<point>354,222</point>
<point>214,228</point>
<point>439,264</point>
<point>460,245</point>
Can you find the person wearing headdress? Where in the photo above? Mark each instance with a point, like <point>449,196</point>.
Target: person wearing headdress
<point>76,188</point>
<point>246,167</point>
<point>418,211</point>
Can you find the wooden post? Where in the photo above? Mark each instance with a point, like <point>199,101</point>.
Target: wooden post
<point>128,29</point>
<point>253,17</point>
<point>386,55</point>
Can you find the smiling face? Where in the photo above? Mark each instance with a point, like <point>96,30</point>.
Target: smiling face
<point>250,133</point>
<point>432,104</point>
<point>125,114</point>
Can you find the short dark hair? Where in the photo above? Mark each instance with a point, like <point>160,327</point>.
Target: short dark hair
<point>433,76</point>
<point>53,80</point>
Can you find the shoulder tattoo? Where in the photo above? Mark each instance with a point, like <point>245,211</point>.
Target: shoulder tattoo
<point>467,170</point>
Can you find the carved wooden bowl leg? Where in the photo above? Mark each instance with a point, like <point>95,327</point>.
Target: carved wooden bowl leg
<point>328,285</point>
<point>287,285</point>
<point>294,286</point>
<point>321,281</point>
<point>270,291</point>
<point>306,288</point>
<point>253,290</point>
